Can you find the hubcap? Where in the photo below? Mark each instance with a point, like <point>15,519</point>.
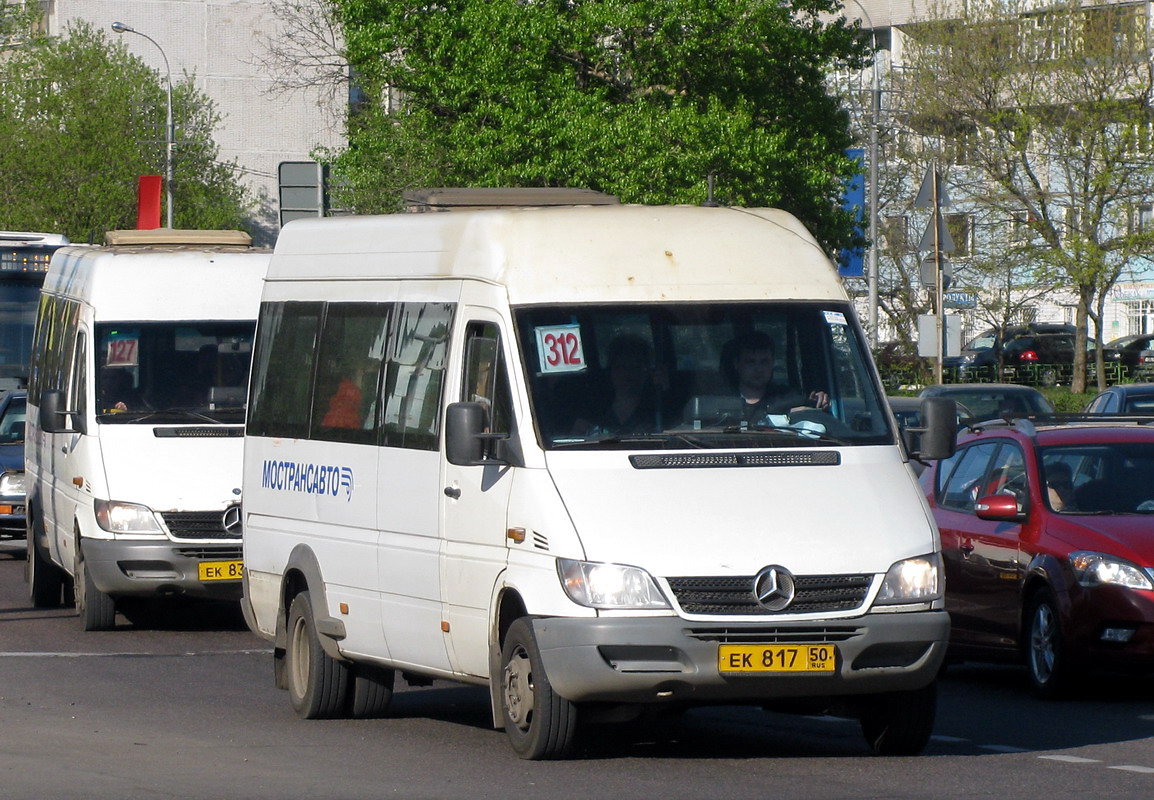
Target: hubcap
<point>1042,651</point>
<point>298,659</point>
<point>518,686</point>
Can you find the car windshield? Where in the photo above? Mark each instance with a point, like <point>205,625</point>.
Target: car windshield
<point>702,375</point>
<point>173,372</point>
<point>1111,478</point>
<point>12,423</point>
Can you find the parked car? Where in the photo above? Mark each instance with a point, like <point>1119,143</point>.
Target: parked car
<point>980,357</point>
<point>1124,398</point>
<point>12,491</point>
<point>1047,359</point>
<point>993,400</point>
<point>1136,353</point>
<point>1048,546</point>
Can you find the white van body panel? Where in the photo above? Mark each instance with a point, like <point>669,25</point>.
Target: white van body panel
<point>805,518</point>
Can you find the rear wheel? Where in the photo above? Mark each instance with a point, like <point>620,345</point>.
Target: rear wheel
<point>1046,657</point>
<point>97,610</point>
<point>539,723</point>
<point>900,723</point>
<point>317,682</point>
<point>45,579</point>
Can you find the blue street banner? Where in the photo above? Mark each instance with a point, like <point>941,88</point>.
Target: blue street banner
<point>851,262</point>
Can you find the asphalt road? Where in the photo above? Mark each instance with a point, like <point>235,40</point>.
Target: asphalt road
<point>186,708</point>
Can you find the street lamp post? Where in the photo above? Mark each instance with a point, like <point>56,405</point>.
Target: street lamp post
<point>169,132</point>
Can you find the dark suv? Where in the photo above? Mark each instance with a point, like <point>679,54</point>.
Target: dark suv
<point>979,359</point>
<point>1048,543</point>
<point>1047,359</point>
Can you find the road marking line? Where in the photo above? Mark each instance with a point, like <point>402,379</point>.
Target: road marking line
<point>1133,768</point>
<point>1073,759</point>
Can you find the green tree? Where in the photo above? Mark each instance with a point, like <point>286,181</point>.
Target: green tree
<point>643,99</point>
<point>81,119</point>
<point>1052,111</point>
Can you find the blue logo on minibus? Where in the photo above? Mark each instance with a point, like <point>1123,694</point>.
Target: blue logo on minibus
<point>305,478</point>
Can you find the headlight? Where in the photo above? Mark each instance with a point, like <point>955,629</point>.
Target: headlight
<point>12,483</point>
<point>609,585</point>
<point>914,580</point>
<point>1095,569</point>
<point>126,518</point>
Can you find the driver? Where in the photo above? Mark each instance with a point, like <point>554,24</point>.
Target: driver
<point>748,364</point>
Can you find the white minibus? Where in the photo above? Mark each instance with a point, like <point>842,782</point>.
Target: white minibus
<point>604,461</point>
<point>136,401</point>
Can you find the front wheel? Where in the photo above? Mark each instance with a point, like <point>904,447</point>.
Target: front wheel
<point>900,723</point>
<point>539,723</point>
<point>96,609</point>
<point>1046,658</point>
<point>317,682</point>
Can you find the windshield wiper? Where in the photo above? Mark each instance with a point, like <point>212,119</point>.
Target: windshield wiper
<point>180,413</point>
<point>632,438</point>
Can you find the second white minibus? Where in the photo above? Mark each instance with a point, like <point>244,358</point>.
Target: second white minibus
<point>136,402</point>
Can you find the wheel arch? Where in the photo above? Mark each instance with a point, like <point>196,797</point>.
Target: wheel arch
<point>302,572</point>
<point>1044,573</point>
<point>508,608</point>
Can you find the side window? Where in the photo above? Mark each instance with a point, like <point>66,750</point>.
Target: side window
<point>1008,474</point>
<point>38,365</point>
<point>78,385</point>
<point>486,379</point>
<point>280,397</point>
<point>966,483</point>
<point>348,373</point>
<point>417,351</point>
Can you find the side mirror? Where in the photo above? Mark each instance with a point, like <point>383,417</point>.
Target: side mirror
<point>999,508</point>
<point>54,418</point>
<point>464,434</point>
<point>939,431</point>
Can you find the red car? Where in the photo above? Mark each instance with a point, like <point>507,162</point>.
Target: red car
<point>1048,543</point>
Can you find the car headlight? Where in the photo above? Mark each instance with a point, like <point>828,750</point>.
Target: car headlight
<point>609,585</point>
<point>12,482</point>
<point>1095,569</point>
<point>912,580</point>
<point>126,517</point>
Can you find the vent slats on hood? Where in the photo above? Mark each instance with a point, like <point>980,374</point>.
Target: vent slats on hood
<point>800,458</point>
<point>198,432</point>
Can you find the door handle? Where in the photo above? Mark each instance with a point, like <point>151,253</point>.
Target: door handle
<point>967,548</point>
<point>453,492</point>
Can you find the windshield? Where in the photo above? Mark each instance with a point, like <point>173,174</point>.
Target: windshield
<point>173,372</point>
<point>701,375</point>
<point>1109,478</point>
<point>18,303</point>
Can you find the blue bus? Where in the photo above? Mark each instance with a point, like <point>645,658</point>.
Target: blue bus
<point>24,258</point>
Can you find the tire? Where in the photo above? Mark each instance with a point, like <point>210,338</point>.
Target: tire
<point>317,683</point>
<point>540,724</point>
<point>45,579</point>
<point>370,691</point>
<point>1047,659</point>
<point>97,610</point>
<point>900,723</point>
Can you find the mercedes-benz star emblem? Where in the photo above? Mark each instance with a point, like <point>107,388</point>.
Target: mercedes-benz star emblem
<point>774,588</point>
<point>232,520</point>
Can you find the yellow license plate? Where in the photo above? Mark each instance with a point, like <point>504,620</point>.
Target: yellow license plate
<point>777,658</point>
<point>221,570</point>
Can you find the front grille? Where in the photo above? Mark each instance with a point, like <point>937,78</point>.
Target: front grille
<point>211,553</point>
<point>763,634</point>
<point>197,525</point>
<point>734,594</point>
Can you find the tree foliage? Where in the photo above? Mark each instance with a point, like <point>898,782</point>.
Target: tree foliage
<point>643,99</point>
<point>81,119</point>
<point>1051,109</point>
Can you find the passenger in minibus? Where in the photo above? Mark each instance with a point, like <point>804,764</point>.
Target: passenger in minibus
<point>632,406</point>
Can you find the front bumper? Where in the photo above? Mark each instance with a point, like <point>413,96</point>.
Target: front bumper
<point>159,568</point>
<point>669,659</point>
